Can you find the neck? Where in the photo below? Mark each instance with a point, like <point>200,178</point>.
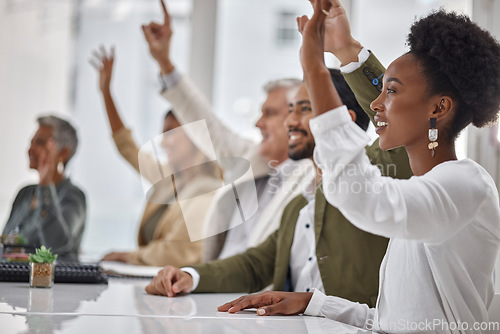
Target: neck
<point>421,160</point>
<point>55,179</point>
<point>319,174</point>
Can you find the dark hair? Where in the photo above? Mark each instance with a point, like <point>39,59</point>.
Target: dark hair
<point>348,98</point>
<point>461,60</point>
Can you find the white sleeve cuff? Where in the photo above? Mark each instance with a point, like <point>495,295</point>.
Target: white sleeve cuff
<point>330,119</point>
<point>168,81</point>
<point>351,67</point>
<point>316,303</point>
<point>194,274</point>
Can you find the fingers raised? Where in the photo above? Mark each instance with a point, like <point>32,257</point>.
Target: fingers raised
<point>166,15</point>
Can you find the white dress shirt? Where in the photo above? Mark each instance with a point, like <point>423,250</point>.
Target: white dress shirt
<point>444,226</point>
<point>304,268</point>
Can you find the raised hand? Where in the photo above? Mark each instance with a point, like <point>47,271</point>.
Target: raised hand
<point>338,38</point>
<point>103,62</point>
<point>313,36</point>
<point>170,281</point>
<point>158,37</point>
<point>270,302</point>
<point>319,85</point>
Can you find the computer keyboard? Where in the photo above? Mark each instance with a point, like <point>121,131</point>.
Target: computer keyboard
<point>65,273</point>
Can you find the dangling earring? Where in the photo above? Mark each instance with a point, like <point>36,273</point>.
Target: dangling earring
<point>433,136</point>
<point>60,167</point>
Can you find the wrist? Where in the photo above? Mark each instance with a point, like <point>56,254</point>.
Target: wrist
<point>349,53</point>
<point>166,67</point>
<point>306,299</point>
<point>106,91</point>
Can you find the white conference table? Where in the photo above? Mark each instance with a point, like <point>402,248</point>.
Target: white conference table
<point>122,306</point>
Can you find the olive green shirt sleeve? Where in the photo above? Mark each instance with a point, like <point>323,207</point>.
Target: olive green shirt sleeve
<point>249,271</point>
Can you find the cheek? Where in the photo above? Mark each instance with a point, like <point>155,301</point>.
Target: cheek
<point>278,127</point>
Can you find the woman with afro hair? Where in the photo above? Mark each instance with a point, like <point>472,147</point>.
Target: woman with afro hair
<point>443,223</point>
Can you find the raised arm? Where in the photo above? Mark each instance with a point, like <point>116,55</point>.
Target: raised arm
<point>188,103</point>
<point>391,208</point>
<point>103,62</point>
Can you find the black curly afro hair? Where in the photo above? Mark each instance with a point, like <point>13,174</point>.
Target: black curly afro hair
<point>461,60</point>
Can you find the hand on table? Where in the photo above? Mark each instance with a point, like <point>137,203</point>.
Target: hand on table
<point>159,37</point>
<point>116,256</point>
<point>170,281</point>
<point>270,302</point>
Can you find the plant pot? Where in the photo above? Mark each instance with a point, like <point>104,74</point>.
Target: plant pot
<point>42,274</point>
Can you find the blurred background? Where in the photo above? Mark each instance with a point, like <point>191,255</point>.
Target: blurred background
<point>230,48</point>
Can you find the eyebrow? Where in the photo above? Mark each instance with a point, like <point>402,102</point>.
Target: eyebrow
<point>302,102</point>
<point>395,80</point>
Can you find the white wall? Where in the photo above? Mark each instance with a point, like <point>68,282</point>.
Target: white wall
<point>35,65</point>
<point>115,195</point>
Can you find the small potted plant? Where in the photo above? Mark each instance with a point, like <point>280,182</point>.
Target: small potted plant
<point>42,268</point>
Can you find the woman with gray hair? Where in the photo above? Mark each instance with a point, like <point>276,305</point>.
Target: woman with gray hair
<point>52,212</point>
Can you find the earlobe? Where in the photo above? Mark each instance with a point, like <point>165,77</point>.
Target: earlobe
<point>64,154</point>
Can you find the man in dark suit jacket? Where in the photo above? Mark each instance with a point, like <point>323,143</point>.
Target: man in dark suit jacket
<point>347,258</point>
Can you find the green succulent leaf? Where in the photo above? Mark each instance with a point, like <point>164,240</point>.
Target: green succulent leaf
<point>43,255</point>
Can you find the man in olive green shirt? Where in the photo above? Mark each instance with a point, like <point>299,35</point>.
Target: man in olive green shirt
<point>344,261</point>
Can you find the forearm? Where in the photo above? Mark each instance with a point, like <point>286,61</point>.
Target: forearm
<point>250,271</point>
<point>115,121</point>
<point>321,90</point>
<point>159,253</point>
<point>343,310</point>
<point>190,105</point>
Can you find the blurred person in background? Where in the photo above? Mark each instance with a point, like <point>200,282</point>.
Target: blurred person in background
<point>53,212</point>
<point>163,236</point>
<point>277,178</point>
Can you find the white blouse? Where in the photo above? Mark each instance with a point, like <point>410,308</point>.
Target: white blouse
<point>437,274</point>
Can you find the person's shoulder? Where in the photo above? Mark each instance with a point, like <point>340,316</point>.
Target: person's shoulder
<point>25,190</point>
<point>464,175</point>
<point>72,188</point>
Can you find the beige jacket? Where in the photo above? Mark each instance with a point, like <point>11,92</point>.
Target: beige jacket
<point>171,244</point>
<point>189,105</point>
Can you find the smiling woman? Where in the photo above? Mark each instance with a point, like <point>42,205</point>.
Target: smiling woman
<point>449,204</point>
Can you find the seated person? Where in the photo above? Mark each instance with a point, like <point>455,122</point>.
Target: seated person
<point>278,179</point>
<point>163,235</point>
<point>444,223</point>
<point>51,213</point>
<point>315,246</point>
